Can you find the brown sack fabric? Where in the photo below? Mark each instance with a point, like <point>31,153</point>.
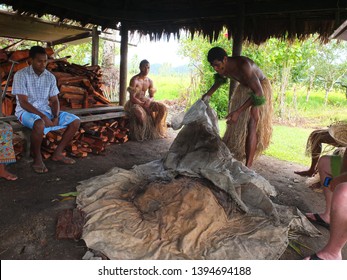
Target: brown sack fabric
<point>70,224</point>
<point>198,202</point>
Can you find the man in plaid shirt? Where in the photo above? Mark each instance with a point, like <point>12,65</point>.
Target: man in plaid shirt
<point>38,108</point>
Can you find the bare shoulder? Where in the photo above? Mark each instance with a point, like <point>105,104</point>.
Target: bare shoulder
<point>243,61</point>
<point>248,63</point>
<point>133,80</point>
<point>150,80</point>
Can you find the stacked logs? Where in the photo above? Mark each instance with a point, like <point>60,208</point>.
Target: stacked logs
<point>80,86</point>
<point>18,145</point>
<point>92,137</point>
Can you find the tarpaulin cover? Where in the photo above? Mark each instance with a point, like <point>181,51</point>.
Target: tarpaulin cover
<point>195,203</point>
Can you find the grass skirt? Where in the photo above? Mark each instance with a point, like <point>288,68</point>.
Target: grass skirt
<point>154,125</point>
<point>236,134</point>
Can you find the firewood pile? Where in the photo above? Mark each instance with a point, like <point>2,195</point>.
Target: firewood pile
<point>80,86</point>
<point>18,145</point>
<point>92,137</point>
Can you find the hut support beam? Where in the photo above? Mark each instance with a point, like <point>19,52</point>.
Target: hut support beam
<point>237,43</point>
<point>95,46</point>
<point>123,65</point>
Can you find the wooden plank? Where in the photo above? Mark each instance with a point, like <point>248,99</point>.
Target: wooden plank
<point>106,109</point>
<point>8,118</point>
<point>100,117</point>
<point>78,112</point>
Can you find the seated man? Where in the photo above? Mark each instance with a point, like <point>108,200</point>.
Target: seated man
<point>147,117</point>
<point>335,214</point>
<point>314,148</point>
<point>38,108</point>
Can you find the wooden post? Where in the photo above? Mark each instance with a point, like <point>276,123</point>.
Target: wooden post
<point>237,42</point>
<point>95,46</point>
<point>123,65</point>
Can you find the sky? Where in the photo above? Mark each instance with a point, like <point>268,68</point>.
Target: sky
<point>157,51</point>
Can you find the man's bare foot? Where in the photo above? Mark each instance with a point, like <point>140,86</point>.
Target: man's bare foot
<point>8,176</point>
<point>305,173</point>
<point>39,168</point>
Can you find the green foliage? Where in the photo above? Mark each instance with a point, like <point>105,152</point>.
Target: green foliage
<point>330,66</point>
<point>196,50</point>
<point>313,113</point>
<point>134,65</point>
<point>301,63</point>
<point>220,100</point>
<point>81,53</point>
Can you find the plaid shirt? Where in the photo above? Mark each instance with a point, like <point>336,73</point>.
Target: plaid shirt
<point>38,89</point>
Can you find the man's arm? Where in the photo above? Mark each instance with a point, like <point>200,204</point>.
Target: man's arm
<point>132,89</point>
<point>24,103</point>
<point>151,89</point>
<point>55,107</point>
<point>211,91</point>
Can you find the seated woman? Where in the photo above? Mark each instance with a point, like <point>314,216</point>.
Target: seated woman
<point>6,151</point>
<point>147,117</point>
<point>334,216</point>
<point>314,148</point>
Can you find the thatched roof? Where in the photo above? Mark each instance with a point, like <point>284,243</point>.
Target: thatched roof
<point>263,18</point>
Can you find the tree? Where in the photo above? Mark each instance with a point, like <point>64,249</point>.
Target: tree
<point>196,50</point>
<point>330,66</point>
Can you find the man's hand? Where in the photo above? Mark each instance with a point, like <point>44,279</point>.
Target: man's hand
<point>233,117</point>
<point>206,97</point>
<point>147,103</point>
<point>47,121</point>
<point>55,121</point>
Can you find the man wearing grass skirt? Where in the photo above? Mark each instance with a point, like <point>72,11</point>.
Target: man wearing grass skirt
<point>147,117</point>
<point>249,127</point>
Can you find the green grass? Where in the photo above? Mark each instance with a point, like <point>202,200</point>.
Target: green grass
<point>314,112</point>
<point>287,143</point>
<point>170,87</point>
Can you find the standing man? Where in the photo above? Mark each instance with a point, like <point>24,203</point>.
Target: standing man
<point>38,108</point>
<point>250,118</point>
<point>147,117</point>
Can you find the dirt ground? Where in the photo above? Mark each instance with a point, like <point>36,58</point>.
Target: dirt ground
<point>30,205</point>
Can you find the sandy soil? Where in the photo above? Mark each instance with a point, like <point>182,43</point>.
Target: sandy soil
<point>30,205</point>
